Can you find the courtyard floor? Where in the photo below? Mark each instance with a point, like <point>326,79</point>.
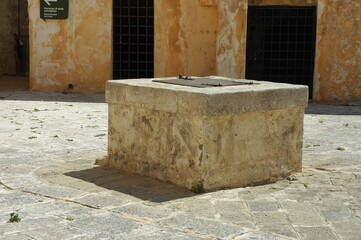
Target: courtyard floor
<point>49,144</point>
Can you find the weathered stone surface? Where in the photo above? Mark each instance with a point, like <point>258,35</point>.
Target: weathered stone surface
<point>309,233</point>
<point>226,137</point>
<point>303,214</point>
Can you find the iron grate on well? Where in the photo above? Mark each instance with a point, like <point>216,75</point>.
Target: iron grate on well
<point>281,44</point>
<point>133,39</point>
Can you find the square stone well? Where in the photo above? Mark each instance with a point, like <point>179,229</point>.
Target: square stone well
<point>227,137</point>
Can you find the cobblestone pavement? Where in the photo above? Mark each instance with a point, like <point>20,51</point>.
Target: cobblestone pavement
<point>49,144</point>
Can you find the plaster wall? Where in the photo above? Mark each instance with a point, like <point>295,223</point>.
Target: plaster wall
<point>194,37</point>
<point>74,51</point>
<point>203,37</point>
<point>8,26</point>
<point>185,33</point>
<point>338,52</point>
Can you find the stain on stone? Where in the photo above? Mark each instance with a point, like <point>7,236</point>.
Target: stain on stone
<point>200,159</point>
<point>191,163</point>
<point>146,121</point>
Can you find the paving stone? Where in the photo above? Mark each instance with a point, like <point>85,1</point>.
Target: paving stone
<point>350,230</point>
<point>281,229</point>
<point>16,236</point>
<point>313,233</point>
<point>27,224</point>
<point>102,200</point>
<point>336,213</point>
<point>196,206</point>
<point>110,223</point>
<point>143,211</point>
<point>254,235</point>
<point>17,199</point>
<point>235,212</point>
<point>256,206</point>
<point>270,218</point>
<point>303,214</point>
<point>203,226</point>
<point>156,233</point>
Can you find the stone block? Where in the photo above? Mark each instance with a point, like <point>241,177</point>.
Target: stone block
<point>224,136</point>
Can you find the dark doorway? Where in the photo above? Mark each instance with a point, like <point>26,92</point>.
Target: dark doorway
<point>133,39</point>
<point>14,45</point>
<point>281,44</point>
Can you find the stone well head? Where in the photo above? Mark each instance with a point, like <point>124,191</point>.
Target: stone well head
<point>240,134</point>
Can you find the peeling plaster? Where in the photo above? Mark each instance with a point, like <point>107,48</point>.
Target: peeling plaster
<point>231,41</point>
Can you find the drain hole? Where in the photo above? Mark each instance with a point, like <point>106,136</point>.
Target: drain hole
<point>71,86</point>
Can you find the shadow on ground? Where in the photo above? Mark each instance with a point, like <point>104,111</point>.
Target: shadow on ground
<point>141,187</point>
<point>53,97</point>
<point>324,109</point>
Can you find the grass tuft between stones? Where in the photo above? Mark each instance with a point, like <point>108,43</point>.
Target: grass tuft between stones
<point>14,217</point>
<point>199,187</point>
<point>100,135</point>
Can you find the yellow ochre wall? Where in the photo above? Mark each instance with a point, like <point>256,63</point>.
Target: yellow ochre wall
<point>194,37</point>
<point>74,51</point>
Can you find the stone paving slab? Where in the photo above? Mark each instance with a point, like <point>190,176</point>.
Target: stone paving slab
<point>50,143</point>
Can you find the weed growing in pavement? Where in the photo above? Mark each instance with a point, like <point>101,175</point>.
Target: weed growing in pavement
<point>306,185</point>
<point>32,137</point>
<point>94,126</point>
<point>36,110</point>
<point>340,149</point>
<point>55,136</point>
<point>307,146</point>
<point>100,135</point>
<point>199,187</point>
<point>70,140</point>
<point>14,217</point>
<point>320,121</point>
<point>69,218</point>
<point>317,145</point>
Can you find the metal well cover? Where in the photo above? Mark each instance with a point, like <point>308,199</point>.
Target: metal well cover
<point>203,82</point>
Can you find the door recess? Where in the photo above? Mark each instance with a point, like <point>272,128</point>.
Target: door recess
<point>281,44</point>
<point>133,39</point>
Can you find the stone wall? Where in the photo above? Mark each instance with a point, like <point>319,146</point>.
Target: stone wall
<point>75,51</point>
<point>194,37</point>
<point>8,26</point>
